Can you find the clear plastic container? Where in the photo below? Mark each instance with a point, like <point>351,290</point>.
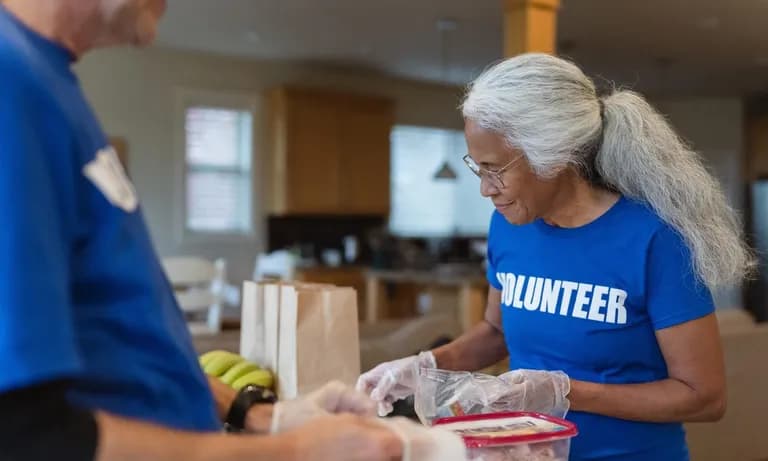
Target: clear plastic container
<point>518,436</point>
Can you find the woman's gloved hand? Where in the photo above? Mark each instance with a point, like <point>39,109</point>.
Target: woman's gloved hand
<point>393,381</point>
<point>539,391</point>
<point>334,397</point>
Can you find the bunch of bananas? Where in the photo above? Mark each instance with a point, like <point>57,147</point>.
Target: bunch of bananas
<point>234,370</point>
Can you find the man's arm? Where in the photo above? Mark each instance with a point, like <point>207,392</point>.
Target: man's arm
<point>327,438</point>
<point>39,424</point>
<point>121,439</point>
<point>259,417</point>
<point>481,346</point>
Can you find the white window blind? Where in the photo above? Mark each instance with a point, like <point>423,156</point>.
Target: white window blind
<point>423,206</point>
<point>219,148</point>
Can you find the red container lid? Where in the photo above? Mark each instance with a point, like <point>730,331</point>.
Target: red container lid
<point>500,429</point>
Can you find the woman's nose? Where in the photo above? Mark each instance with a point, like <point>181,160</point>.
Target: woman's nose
<point>487,188</point>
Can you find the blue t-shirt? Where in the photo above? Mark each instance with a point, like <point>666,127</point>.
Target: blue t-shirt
<point>588,301</point>
<point>82,294</point>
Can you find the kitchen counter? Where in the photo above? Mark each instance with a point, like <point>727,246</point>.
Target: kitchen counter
<point>228,340</point>
<point>432,277</point>
<point>467,283</point>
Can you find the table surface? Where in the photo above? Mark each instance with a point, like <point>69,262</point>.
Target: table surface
<point>436,277</point>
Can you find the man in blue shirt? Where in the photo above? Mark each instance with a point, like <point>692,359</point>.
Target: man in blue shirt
<point>96,360</point>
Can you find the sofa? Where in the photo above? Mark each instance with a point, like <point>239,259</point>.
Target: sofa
<point>742,435</point>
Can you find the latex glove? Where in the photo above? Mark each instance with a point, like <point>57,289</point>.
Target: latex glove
<point>342,438</point>
<point>334,397</point>
<point>426,444</point>
<point>393,381</point>
<point>539,391</point>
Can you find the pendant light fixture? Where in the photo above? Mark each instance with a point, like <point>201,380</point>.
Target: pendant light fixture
<point>445,26</point>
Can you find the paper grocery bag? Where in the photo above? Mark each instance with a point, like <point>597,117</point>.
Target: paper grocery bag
<point>272,301</point>
<point>252,345</point>
<point>260,321</point>
<point>319,339</point>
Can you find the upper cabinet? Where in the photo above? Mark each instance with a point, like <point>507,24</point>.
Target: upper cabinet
<point>328,152</point>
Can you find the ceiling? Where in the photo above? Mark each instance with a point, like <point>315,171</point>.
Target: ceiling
<point>713,47</point>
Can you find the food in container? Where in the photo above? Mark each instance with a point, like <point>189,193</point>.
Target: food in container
<point>443,393</point>
<point>516,436</point>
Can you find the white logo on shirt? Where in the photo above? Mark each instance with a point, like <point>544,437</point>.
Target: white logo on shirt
<point>592,302</point>
<point>108,175</point>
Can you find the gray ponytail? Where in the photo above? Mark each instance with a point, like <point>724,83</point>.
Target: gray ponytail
<point>644,158</point>
<point>549,109</point>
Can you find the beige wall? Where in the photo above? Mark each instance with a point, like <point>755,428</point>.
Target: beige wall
<point>133,92</point>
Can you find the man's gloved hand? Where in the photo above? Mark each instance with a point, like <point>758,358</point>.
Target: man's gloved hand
<point>422,443</point>
<point>334,397</point>
<point>392,381</point>
<point>539,391</point>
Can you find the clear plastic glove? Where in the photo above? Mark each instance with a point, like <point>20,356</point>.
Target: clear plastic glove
<point>426,444</point>
<point>343,438</point>
<point>334,397</point>
<point>393,381</point>
<point>539,391</point>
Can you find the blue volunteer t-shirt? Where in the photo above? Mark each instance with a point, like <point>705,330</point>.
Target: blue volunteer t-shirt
<point>82,295</point>
<point>588,301</point>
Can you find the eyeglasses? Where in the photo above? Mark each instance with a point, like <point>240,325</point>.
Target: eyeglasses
<point>495,177</point>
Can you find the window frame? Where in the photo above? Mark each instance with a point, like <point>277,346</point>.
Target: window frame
<point>186,98</point>
<point>455,231</point>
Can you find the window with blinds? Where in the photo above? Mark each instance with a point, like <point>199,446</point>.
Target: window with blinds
<point>219,189</point>
<point>423,206</point>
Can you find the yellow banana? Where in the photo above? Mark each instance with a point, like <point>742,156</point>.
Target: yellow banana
<point>221,363</point>
<point>238,371</point>
<point>261,378</point>
<point>206,358</point>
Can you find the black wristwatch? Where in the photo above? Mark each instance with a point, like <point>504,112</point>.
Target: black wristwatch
<point>248,396</point>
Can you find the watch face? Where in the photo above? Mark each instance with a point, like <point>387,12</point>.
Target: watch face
<point>262,394</point>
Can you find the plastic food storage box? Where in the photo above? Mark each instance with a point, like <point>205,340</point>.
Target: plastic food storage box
<point>519,436</point>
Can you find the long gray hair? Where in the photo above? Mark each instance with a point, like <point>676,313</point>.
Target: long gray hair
<point>549,109</point>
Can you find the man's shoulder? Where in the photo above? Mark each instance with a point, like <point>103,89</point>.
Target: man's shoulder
<point>23,64</point>
<point>16,66</point>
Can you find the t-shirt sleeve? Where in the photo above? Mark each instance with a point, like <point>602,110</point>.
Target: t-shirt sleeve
<point>491,263</point>
<point>675,293</point>
<point>37,341</point>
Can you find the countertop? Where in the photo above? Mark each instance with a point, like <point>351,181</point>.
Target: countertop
<point>441,275</point>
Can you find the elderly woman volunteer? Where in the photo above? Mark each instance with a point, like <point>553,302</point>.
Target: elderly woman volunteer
<point>607,238</point>
<point>97,363</point>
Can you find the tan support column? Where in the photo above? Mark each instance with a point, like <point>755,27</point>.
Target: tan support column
<point>530,26</point>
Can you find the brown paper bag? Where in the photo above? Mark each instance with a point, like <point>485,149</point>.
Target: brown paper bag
<point>260,321</point>
<point>318,338</point>
<point>252,329</point>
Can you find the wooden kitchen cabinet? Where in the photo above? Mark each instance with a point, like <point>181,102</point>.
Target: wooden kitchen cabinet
<point>329,152</point>
<point>756,161</point>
